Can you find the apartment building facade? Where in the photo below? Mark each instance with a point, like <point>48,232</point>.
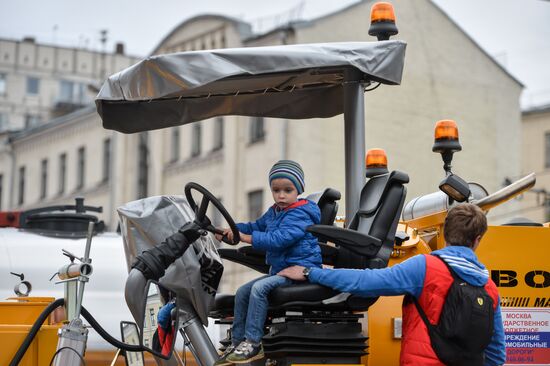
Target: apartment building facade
<point>39,82</point>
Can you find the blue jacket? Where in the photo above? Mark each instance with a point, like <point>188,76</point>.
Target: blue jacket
<point>408,278</point>
<point>282,235</point>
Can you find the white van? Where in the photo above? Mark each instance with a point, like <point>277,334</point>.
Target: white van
<point>31,244</point>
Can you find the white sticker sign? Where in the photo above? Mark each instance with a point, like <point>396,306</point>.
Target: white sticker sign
<point>527,335</point>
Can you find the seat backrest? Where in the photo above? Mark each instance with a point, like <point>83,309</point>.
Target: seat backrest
<point>380,206</point>
<point>326,201</point>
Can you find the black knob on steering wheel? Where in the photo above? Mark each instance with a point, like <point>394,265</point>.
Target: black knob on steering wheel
<point>200,212</point>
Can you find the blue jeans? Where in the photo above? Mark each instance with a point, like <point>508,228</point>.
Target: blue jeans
<point>251,308</point>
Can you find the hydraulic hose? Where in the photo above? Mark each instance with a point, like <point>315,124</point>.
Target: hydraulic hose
<point>109,338</point>
<point>34,330</point>
<point>86,314</point>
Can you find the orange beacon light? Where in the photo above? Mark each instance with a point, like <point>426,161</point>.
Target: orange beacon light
<point>382,21</point>
<point>376,162</point>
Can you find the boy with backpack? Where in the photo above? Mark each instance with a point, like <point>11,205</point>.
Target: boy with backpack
<point>451,311</point>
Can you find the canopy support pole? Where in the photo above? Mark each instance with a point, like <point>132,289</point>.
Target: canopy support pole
<point>354,137</point>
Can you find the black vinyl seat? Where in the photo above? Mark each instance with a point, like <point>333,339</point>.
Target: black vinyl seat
<point>367,243</point>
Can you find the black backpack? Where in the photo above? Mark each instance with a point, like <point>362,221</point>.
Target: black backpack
<point>465,326</point>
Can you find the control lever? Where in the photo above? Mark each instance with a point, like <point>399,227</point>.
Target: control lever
<point>401,237</point>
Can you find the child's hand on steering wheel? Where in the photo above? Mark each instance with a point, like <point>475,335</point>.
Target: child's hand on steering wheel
<point>226,233</point>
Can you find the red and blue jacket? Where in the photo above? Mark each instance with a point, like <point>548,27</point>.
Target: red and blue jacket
<point>282,235</point>
<point>415,277</point>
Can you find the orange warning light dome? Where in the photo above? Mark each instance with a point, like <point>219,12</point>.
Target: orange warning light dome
<point>376,158</point>
<point>446,129</point>
<point>376,162</point>
<point>382,12</point>
<point>446,141</point>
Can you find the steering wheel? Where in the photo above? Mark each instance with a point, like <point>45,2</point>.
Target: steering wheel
<point>200,212</point>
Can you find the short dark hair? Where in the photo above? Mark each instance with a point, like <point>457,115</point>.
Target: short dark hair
<point>463,224</point>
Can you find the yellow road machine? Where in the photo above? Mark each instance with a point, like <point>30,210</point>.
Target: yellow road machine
<point>307,323</point>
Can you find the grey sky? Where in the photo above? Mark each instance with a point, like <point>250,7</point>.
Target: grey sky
<point>515,32</point>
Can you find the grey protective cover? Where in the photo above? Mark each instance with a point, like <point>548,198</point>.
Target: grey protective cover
<point>148,222</point>
<point>292,81</point>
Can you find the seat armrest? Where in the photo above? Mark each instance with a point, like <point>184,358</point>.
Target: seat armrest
<point>328,253</point>
<point>250,251</point>
<point>253,262</point>
<point>359,243</point>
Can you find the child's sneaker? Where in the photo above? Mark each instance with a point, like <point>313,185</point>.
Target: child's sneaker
<point>246,352</point>
<point>222,361</point>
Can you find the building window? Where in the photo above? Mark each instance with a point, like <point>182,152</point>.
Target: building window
<point>2,84</point>
<point>43,178</point>
<point>81,93</point>
<point>66,91</point>
<point>31,120</point>
<point>196,140</point>
<point>153,317</point>
<point>21,198</point>
<point>218,133</point>
<point>547,149</point>
<point>175,146</point>
<point>143,165</point>
<point>3,121</point>
<point>81,167</point>
<point>255,204</point>
<point>33,85</point>
<point>70,92</point>
<point>62,172</point>
<point>106,159</point>
<point>257,132</point>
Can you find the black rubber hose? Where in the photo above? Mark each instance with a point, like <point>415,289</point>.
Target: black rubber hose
<point>103,333</point>
<point>35,328</point>
<point>86,314</point>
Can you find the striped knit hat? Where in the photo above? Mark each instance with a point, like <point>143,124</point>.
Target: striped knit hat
<point>290,170</point>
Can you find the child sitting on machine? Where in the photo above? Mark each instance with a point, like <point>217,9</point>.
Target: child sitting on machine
<point>281,233</point>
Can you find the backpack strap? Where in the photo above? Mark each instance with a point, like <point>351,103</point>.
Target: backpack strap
<point>417,304</point>
<point>422,313</point>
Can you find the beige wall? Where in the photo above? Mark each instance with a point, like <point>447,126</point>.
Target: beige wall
<point>446,76</point>
<point>536,124</point>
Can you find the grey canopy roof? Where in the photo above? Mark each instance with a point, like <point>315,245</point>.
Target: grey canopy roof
<point>295,82</point>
